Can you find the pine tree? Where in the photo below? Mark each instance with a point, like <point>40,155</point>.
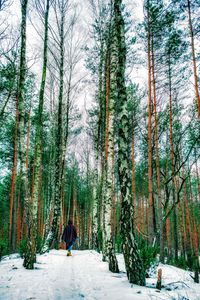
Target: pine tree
<point>14,179</point>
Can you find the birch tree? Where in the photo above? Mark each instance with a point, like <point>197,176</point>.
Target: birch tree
<point>66,55</point>
<point>28,262</point>
<point>111,87</point>
<point>133,263</point>
<point>53,235</point>
<point>38,140</point>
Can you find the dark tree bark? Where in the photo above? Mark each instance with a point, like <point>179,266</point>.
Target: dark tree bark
<point>13,180</point>
<point>38,148</point>
<point>22,149</point>
<point>160,213</point>
<point>133,263</point>
<point>194,59</point>
<point>151,203</point>
<point>173,166</point>
<point>109,249</point>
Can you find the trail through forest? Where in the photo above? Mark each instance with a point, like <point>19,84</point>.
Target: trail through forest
<point>85,276</point>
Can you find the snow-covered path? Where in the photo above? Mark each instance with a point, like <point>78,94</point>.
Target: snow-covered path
<point>82,276</point>
<point>57,276</point>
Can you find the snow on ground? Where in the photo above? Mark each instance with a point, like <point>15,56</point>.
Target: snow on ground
<point>85,276</point>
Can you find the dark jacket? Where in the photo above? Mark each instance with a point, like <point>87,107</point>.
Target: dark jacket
<point>69,234</point>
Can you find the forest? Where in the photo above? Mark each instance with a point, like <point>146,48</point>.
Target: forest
<point>100,124</point>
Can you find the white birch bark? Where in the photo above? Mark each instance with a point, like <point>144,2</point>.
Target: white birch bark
<point>133,263</point>
<point>95,208</point>
<point>109,249</point>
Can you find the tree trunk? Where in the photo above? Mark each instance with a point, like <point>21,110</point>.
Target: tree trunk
<point>114,212</point>
<point>195,234</point>
<point>28,134</point>
<point>151,225</point>
<point>18,221</point>
<point>109,250</point>
<point>14,177</point>
<point>22,149</point>
<point>167,224</point>
<point>143,213</point>
<point>107,102</point>
<point>188,223</point>
<point>160,213</point>
<point>98,148</point>
<point>14,223</point>
<point>133,263</point>
<point>182,225</point>
<point>194,60</point>
<point>95,206</point>
<point>198,184</point>
<point>38,154</point>
<point>39,202</point>
<point>173,167</point>
<point>133,166</point>
<point>52,239</point>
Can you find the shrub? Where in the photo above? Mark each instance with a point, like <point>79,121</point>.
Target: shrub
<point>100,239</point>
<point>3,247</point>
<point>40,244</point>
<point>119,244</point>
<point>148,255</point>
<point>182,263</point>
<point>23,247</point>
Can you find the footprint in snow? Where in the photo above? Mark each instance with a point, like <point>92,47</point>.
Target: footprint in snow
<point>81,295</point>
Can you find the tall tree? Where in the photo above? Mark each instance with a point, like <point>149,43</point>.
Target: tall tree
<point>38,141</point>
<point>14,178</point>
<point>22,149</point>
<point>193,57</point>
<point>60,8</point>
<point>133,263</point>
<point>110,114</point>
<point>151,228</point>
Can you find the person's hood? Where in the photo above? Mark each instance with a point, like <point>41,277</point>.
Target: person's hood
<point>70,222</point>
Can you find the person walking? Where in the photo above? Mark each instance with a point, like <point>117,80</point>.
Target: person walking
<point>69,236</point>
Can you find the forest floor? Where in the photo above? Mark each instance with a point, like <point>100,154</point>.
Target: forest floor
<point>85,276</point>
